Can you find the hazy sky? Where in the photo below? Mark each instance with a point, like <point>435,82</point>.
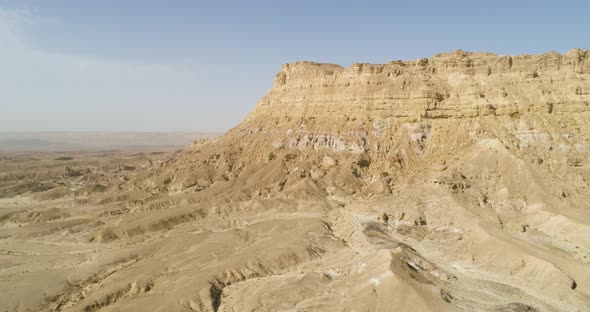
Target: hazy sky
<point>201,65</point>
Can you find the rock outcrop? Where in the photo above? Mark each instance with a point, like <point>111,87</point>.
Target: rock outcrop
<point>457,84</point>
<point>474,167</point>
<point>389,119</point>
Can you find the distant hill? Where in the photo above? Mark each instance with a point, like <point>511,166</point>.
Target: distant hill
<point>51,141</point>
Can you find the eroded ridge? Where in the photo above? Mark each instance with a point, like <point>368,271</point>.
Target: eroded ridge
<point>455,183</point>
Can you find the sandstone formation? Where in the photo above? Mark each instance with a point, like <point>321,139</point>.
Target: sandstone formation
<point>454,183</point>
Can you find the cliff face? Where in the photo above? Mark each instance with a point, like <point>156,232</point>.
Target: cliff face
<point>401,116</point>
<point>456,84</point>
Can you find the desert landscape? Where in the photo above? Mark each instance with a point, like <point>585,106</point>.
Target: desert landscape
<point>460,182</point>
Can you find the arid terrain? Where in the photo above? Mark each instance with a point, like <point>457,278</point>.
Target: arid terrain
<point>22,142</point>
<point>460,182</point>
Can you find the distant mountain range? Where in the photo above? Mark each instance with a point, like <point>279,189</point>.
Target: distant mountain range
<point>49,141</point>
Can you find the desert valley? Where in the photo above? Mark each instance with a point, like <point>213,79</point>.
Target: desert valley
<point>459,182</point>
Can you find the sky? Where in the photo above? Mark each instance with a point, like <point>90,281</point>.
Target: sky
<point>179,65</point>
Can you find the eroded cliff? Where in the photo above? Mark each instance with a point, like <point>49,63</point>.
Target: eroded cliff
<point>455,183</point>
<point>457,84</point>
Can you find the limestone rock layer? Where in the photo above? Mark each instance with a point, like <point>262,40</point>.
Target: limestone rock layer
<point>457,84</point>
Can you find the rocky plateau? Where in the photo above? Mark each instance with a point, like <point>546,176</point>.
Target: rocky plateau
<point>460,182</point>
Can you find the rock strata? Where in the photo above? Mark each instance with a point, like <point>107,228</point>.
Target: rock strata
<point>457,84</point>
